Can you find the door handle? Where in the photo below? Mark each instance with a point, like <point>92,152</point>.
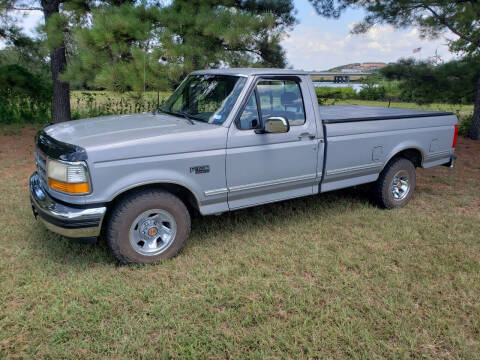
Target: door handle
<point>306,135</point>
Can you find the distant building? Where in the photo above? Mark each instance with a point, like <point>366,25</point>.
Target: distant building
<point>373,65</point>
<point>351,70</point>
<point>359,67</point>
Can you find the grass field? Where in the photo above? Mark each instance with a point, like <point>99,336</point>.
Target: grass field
<point>96,103</point>
<point>323,277</point>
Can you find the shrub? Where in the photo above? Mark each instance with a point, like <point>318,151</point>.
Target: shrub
<point>464,125</point>
<point>24,97</point>
<point>372,92</point>
<point>339,93</point>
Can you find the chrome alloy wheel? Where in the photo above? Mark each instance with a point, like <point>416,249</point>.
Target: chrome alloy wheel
<point>400,185</point>
<point>152,232</point>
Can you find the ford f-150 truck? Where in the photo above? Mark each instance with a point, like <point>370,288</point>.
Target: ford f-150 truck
<point>226,139</point>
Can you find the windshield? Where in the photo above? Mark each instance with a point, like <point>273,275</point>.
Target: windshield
<point>207,98</point>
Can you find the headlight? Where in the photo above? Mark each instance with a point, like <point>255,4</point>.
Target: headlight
<point>71,178</point>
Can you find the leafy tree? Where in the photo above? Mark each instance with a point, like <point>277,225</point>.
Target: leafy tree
<point>432,17</point>
<point>58,60</point>
<point>24,96</point>
<point>59,16</point>
<point>26,52</point>
<point>423,82</point>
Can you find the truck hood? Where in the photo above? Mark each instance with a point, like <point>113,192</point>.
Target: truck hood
<point>124,136</point>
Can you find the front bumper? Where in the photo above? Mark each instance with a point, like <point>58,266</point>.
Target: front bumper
<point>69,221</point>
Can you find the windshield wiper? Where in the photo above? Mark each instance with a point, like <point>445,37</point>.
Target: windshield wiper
<point>186,116</point>
<point>178,113</point>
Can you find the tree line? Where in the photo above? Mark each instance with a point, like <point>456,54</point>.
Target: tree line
<point>143,45</point>
<point>138,45</point>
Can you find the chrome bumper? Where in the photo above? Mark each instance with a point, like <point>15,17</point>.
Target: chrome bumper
<point>62,219</point>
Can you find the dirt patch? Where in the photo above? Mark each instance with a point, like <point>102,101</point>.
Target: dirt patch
<point>16,154</point>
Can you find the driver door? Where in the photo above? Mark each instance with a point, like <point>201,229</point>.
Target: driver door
<point>261,167</point>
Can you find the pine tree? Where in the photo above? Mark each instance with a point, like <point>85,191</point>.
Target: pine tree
<point>211,33</point>
<point>143,46</point>
<point>117,51</point>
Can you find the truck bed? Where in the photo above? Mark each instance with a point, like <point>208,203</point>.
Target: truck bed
<point>353,113</point>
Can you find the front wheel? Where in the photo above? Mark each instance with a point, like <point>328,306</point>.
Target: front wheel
<point>396,184</point>
<point>148,226</point>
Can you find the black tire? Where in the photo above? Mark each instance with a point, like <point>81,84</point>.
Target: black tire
<point>127,211</point>
<point>384,192</point>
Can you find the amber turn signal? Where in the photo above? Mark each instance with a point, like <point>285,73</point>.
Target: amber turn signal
<point>81,188</point>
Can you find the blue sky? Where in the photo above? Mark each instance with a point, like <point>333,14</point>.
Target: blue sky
<point>318,43</point>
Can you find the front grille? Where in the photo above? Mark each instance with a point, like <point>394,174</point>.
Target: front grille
<point>41,164</point>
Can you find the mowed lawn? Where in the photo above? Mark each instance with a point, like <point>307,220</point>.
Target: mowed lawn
<point>325,277</point>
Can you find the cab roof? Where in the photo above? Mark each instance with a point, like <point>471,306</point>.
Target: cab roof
<point>250,72</point>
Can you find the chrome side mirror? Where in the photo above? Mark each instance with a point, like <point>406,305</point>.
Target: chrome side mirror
<point>275,125</point>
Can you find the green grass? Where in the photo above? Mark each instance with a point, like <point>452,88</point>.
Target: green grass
<point>96,103</point>
<point>324,277</point>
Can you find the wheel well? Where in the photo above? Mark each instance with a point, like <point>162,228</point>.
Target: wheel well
<point>180,191</point>
<point>414,155</point>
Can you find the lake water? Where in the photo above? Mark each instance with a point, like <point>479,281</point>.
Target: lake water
<point>356,86</point>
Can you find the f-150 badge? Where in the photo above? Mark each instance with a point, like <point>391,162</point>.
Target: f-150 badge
<point>200,169</point>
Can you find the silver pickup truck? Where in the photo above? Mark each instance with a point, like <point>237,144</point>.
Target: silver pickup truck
<point>225,140</point>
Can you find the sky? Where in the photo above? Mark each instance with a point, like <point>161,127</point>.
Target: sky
<point>318,43</point>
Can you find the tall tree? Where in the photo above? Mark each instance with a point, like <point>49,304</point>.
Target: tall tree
<point>211,33</point>
<point>432,17</point>
<point>58,59</point>
<point>145,46</point>
<point>116,51</point>
<point>59,16</point>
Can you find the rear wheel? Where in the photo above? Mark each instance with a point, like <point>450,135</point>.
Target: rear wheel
<point>148,226</point>
<point>396,184</point>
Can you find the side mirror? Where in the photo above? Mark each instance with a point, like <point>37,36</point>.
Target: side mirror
<point>275,125</point>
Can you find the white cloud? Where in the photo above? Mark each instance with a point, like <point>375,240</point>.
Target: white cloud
<point>312,48</point>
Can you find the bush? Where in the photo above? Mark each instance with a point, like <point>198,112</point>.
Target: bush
<point>424,82</point>
<point>464,125</point>
<point>372,92</point>
<point>24,97</point>
<point>339,93</point>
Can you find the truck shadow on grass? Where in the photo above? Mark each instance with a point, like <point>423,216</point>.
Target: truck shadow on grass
<point>206,230</point>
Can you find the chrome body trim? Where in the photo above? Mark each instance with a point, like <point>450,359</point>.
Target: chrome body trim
<point>216,192</point>
<point>65,220</point>
<point>270,183</point>
<point>438,154</point>
<point>355,168</point>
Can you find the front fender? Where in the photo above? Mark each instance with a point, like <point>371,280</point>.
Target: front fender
<point>154,177</point>
<point>112,178</point>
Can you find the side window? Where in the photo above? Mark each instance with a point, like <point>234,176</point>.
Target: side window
<point>249,118</point>
<point>281,98</point>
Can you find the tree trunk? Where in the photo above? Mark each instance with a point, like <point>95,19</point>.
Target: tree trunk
<point>58,64</point>
<point>474,131</point>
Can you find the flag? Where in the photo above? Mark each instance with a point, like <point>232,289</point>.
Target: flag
<point>417,50</point>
